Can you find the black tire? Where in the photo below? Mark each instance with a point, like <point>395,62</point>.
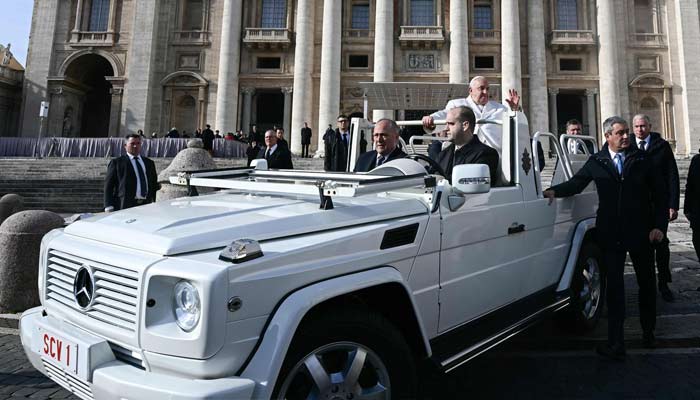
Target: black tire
<point>331,337</point>
<point>588,287</point>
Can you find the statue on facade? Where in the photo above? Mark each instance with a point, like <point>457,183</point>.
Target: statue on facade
<point>8,55</point>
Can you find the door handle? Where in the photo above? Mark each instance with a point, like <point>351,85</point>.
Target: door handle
<point>516,228</point>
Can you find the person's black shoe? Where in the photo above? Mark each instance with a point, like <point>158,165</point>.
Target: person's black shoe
<point>649,340</point>
<point>666,293</point>
<point>611,353</point>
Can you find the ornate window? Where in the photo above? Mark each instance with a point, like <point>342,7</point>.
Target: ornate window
<point>360,16</point>
<point>643,19</point>
<point>422,13</point>
<point>567,15</point>
<point>99,15</point>
<point>193,15</point>
<point>274,14</point>
<point>483,16</point>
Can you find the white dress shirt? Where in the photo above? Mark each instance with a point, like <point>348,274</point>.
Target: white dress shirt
<point>132,158</point>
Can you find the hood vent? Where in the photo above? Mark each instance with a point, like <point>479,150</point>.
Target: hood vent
<point>399,236</point>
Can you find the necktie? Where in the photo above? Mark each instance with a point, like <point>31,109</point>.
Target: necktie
<point>380,160</point>
<point>345,138</point>
<point>267,154</point>
<point>642,145</point>
<point>142,178</point>
<point>618,163</point>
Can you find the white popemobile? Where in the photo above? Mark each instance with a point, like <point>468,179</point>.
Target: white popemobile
<point>302,284</point>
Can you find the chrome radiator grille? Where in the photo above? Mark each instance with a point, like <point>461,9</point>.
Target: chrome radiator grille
<point>115,292</point>
<point>74,384</point>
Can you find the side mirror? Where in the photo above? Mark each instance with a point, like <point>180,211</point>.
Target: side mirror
<point>260,164</point>
<point>471,178</point>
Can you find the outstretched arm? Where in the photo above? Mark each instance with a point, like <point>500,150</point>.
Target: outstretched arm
<point>513,100</point>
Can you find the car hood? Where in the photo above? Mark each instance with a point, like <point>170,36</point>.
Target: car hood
<point>198,223</point>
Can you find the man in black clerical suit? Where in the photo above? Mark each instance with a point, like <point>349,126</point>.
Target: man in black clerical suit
<point>131,179</point>
<point>386,137</point>
<point>305,140</point>
<point>632,215</point>
<point>277,155</point>
<point>281,141</point>
<point>661,155</point>
<point>466,148</point>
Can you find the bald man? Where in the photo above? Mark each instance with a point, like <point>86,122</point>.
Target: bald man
<point>483,108</point>
<point>386,138</point>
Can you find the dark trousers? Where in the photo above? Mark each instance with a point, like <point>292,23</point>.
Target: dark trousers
<point>663,257</point>
<point>304,150</point>
<point>696,241</point>
<point>646,280</point>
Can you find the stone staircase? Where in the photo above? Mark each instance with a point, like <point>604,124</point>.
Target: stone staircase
<point>72,185</point>
<point>75,185</point>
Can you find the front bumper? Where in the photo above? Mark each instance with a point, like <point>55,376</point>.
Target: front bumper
<point>100,376</point>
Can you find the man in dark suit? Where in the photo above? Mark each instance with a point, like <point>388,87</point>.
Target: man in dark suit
<point>305,140</point>
<point>574,127</point>
<point>691,205</point>
<point>131,179</point>
<point>208,140</point>
<point>280,138</point>
<point>386,138</point>
<point>277,156</point>
<point>466,148</point>
<point>337,146</point>
<point>661,155</point>
<point>631,216</point>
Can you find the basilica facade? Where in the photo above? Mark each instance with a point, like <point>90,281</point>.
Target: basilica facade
<point>110,67</point>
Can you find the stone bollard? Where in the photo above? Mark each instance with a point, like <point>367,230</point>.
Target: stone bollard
<point>20,240</point>
<point>193,158</point>
<point>10,204</point>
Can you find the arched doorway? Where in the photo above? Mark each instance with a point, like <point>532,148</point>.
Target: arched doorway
<point>88,73</point>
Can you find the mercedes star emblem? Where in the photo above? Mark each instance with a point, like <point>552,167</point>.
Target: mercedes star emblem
<point>84,287</point>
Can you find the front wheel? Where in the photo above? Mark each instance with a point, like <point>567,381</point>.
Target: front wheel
<point>587,290</point>
<point>348,355</point>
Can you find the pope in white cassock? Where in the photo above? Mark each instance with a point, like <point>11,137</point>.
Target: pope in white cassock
<point>483,108</point>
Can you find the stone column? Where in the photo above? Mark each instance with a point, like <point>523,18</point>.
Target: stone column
<point>115,111</point>
<point>383,50</point>
<point>510,47</point>
<point>287,115</point>
<point>143,87</point>
<point>459,42</point>
<point>553,123</point>
<point>537,67</point>
<point>229,64</point>
<point>329,99</point>
<point>667,113</point>
<point>687,33</point>
<point>202,107</point>
<point>112,20</point>
<point>40,58</point>
<point>303,68</point>
<point>590,113</point>
<point>247,108</point>
<point>607,60</point>
<point>75,34</point>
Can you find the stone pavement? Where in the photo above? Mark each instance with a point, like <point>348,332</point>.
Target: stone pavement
<point>542,363</point>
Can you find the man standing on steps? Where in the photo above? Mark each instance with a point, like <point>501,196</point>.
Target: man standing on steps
<point>131,179</point>
<point>305,140</point>
<point>337,146</point>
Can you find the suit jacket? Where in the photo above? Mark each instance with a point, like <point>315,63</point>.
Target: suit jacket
<point>368,160</point>
<point>489,134</point>
<point>305,135</point>
<point>281,158</point>
<point>661,154</point>
<point>629,206</point>
<point>473,152</point>
<point>691,205</point>
<point>120,184</point>
<point>336,152</point>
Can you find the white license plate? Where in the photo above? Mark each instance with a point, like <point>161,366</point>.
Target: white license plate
<point>58,350</point>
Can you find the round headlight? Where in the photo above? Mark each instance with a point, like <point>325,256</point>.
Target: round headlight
<point>186,305</point>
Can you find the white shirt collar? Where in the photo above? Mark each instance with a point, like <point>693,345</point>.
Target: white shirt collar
<point>612,155</point>
<point>131,157</point>
<point>273,148</point>
<point>644,140</point>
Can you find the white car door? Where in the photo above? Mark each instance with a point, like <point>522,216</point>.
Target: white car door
<point>480,268</point>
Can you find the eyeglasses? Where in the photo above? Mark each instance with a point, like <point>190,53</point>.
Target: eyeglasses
<point>342,120</point>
